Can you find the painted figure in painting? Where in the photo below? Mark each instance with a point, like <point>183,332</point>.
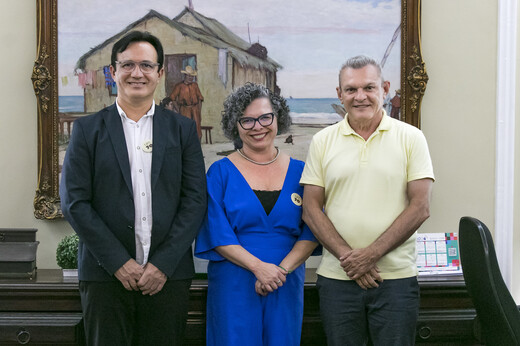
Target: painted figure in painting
<point>368,182</point>
<point>253,234</point>
<point>168,104</point>
<point>187,97</point>
<point>133,188</point>
<point>396,104</point>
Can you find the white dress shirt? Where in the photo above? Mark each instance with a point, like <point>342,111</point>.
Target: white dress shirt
<point>137,135</point>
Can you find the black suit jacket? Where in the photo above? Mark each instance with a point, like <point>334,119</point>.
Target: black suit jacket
<point>97,199</point>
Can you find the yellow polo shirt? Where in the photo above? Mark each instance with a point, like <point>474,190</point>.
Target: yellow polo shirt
<point>365,187</point>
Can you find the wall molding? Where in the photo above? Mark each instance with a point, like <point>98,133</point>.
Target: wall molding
<point>505,136</point>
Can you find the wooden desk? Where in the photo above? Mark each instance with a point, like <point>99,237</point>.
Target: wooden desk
<point>47,310</point>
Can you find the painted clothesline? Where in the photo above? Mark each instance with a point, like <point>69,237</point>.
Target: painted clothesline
<point>88,78</point>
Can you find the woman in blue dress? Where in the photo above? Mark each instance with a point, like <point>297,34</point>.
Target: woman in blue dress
<point>253,234</point>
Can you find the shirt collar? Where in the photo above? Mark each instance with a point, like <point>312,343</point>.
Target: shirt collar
<point>122,113</point>
<point>384,125</point>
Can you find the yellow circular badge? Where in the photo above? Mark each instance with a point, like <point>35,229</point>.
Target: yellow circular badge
<point>296,199</point>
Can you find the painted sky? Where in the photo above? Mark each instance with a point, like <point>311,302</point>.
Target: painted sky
<point>309,38</point>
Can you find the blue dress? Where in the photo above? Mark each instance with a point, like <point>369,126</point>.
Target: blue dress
<point>236,314</point>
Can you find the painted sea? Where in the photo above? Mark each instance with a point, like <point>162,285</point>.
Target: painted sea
<point>71,104</point>
<point>303,110</point>
<point>313,111</point>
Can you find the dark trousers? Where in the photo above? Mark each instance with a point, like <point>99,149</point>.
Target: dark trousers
<point>114,316</point>
<point>386,315</point>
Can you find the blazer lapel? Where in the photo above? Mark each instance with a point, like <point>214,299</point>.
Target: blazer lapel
<point>160,135</point>
<point>117,137</point>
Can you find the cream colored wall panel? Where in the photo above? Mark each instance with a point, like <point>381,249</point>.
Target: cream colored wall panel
<point>458,110</point>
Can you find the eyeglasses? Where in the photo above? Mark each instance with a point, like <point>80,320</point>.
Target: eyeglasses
<point>264,120</point>
<point>145,66</point>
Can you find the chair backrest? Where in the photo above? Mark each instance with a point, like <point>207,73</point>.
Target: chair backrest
<point>496,309</point>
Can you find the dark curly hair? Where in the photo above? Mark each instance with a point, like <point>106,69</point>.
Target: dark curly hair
<point>236,103</point>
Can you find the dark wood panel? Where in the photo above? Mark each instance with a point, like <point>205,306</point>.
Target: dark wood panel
<point>48,307</point>
<point>41,328</point>
<point>48,291</point>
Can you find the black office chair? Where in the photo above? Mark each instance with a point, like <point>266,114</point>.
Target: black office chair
<point>497,311</point>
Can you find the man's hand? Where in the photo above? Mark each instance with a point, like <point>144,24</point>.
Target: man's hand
<point>361,267</point>
<point>129,274</point>
<point>152,281</point>
<point>369,280</point>
<point>358,262</point>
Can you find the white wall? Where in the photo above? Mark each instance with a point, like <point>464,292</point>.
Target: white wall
<point>516,242</point>
<point>458,118</point>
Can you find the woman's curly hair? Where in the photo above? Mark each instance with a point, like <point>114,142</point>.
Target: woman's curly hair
<point>236,103</point>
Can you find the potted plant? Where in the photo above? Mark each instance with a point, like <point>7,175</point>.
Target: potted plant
<point>67,255</point>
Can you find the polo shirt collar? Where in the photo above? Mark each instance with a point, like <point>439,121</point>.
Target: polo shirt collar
<point>384,125</point>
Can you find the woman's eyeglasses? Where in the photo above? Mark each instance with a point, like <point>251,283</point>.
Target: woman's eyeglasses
<point>247,123</point>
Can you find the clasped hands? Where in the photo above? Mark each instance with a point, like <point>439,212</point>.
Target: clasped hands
<point>360,266</point>
<point>148,278</point>
<point>269,277</point>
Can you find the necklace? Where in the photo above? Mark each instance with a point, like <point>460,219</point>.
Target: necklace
<point>259,163</point>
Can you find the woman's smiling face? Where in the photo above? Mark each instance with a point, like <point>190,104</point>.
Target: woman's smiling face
<point>259,137</point>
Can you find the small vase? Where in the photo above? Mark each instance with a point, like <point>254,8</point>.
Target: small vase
<point>70,272</point>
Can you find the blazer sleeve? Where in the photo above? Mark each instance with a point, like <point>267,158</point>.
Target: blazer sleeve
<point>192,206</point>
<point>76,193</point>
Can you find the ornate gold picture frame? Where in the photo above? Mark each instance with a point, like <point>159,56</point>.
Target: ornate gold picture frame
<point>45,82</point>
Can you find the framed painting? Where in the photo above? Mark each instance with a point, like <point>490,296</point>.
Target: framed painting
<point>293,47</point>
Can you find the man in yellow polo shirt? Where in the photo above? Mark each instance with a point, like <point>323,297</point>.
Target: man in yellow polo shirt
<point>368,182</point>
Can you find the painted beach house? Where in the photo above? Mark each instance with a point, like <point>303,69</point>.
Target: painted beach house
<point>222,59</point>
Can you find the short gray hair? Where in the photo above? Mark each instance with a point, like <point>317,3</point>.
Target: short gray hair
<point>237,102</point>
<point>358,62</point>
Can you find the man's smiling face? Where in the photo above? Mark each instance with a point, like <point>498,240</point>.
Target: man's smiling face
<point>362,93</point>
<point>136,86</point>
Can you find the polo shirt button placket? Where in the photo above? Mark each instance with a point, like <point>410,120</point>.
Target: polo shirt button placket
<point>364,153</point>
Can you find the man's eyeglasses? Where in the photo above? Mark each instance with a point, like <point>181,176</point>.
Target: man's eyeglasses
<point>264,120</point>
<point>145,66</point>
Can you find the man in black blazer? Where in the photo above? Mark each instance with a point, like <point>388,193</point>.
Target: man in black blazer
<point>133,188</point>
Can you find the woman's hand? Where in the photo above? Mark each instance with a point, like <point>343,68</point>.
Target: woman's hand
<point>269,276</point>
<point>259,289</point>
